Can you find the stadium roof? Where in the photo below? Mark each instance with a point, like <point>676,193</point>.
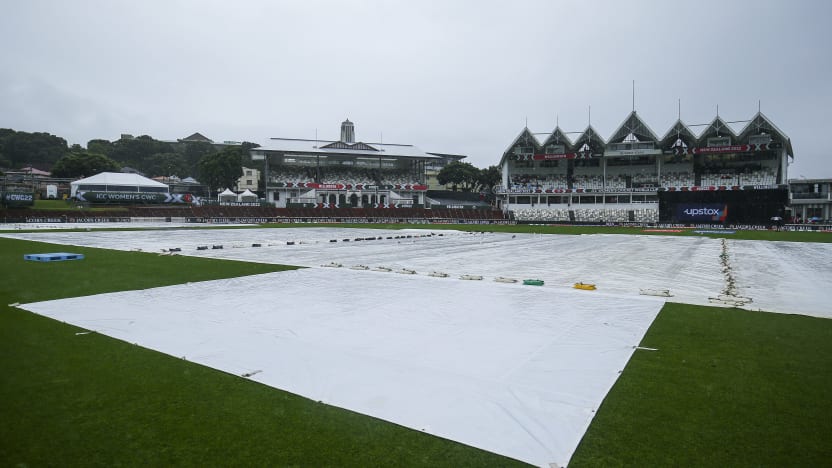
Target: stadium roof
<point>760,124</point>
<point>717,128</point>
<point>634,128</point>
<point>327,147</point>
<point>633,125</point>
<point>456,157</point>
<point>558,137</point>
<point>526,137</point>
<point>592,137</point>
<point>679,131</point>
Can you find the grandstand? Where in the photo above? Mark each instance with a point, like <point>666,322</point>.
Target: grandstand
<point>636,176</point>
<point>322,174</point>
<point>306,181</point>
<point>716,177</point>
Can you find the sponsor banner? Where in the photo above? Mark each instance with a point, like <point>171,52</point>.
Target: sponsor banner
<point>416,187</point>
<point>125,198</point>
<point>694,188</point>
<point>552,157</point>
<point>696,212</point>
<point>713,188</point>
<point>310,185</point>
<point>323,186</point>
<point>315,185</point>
<point>633,152</point>
<point>18,198</point>
<point>45,220</point>
<point>369,205</point>
<point>566,190</point>
<point>122,197</point>
<point>461,207</point>
<point>723,149</point>
<point>715,231</point>
<point>77,219</point>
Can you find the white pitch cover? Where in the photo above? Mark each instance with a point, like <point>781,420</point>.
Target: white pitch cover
<point>512,369</point>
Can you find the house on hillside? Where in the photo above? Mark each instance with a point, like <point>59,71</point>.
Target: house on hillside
<point>250,180</point>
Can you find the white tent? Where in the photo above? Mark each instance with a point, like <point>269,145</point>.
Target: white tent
<point>118,182</point>
<point>247,196</point>
<point>227,195</point>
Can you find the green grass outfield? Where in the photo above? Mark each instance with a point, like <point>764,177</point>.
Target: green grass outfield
<point>69,206</point>
<point>726,387</point>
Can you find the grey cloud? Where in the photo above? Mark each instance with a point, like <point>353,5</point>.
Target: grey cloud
<point>456,76</point>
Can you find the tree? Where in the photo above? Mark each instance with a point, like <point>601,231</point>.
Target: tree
<point>23,148</point>
<point>221,170</point>
<point>460,175</point>
<point>489,178</point>
<point>83,165</point>
<point>195,151</point>
<point>99,146</point>
<point>135,152</point>
<point>166,164</point>
<point>245,149</point>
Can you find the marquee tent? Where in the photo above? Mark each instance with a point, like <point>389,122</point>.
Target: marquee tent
<point>118,182</point>
<point>247,196</point>
<point>227,195</point>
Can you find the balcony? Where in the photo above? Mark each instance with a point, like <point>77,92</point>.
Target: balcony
<point>811,197</point>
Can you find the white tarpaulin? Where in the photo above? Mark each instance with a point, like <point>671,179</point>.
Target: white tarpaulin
<point>787,277</point>
<point>516,370</point>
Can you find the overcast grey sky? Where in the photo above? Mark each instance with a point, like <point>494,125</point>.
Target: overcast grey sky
<point>447,76</point>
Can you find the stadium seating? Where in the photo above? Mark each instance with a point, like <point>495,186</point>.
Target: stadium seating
<point>541,214</point>
<point>719,178</point>
<point>643,179</point>
<point>677,179</point>
<point>759,177</point>
<point>291,174</point>
<point>544,182</point>
<point>616,182</point>
<point>588,181</point>
<point>646,216</point>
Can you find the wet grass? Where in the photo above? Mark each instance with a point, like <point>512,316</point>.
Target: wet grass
<point>726,387</point>
<point>90,400</point>
<point>72,207</point>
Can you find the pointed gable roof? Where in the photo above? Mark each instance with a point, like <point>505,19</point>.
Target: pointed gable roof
<point>197,137</point>
<point>717,127</point>
<point>557,137</point>
<point>591,137</point>
<point>527,138</point>
<point>635,126</point>
<point>677,131</point>
<point>760,124</point>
